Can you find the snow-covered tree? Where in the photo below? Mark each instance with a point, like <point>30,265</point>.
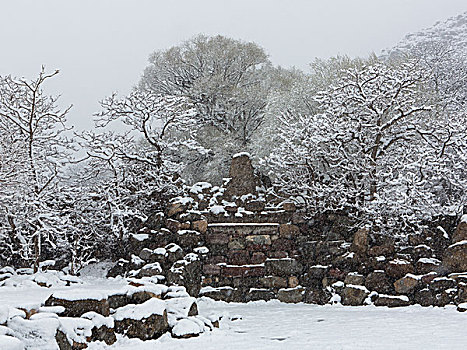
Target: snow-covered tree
<point>33,151</point>
<point>374,148</point>
<point>137,168</point>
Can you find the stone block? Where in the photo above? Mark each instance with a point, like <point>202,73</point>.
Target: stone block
<point>283,267</point>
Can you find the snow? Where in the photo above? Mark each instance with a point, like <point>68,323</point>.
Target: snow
<point>224,224</point>
<point>398,297</point>
<point>140,236</point>
<point>10,343</point>
<point>98,320</point>
<point>433,261</point>
<point>458,244</point>
<point>151,307</point>
<point>241,154</point>
<point>464,218</point>
<point>275,326</point>
<point>186,326</point>
<point>73,295</point>
<point>217,209</point>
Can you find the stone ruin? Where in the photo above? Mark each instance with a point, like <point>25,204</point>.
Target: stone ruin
<point>240,242</point>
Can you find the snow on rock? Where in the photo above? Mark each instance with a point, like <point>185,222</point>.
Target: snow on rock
<point>199,187</point>
<point>187,328</point>
<point>4,312</point>
<point>35,334</point>
<point>217,209</point>
<point>153,306</point>
<point>98,320</point>
<point>10,343</point>
<point>79,294</point>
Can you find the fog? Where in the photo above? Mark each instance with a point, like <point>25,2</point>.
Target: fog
<point>103,46</point>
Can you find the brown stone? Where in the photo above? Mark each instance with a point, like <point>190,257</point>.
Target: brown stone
<point>455,257</point>
<point>407,284</point>
<point>200,226</point>
<point>237,243</point>
<point>291,295</point>
<point>398,268</point>
<point>360,242</point>
<point>273,282</point>
<point>242,178</point>
<point>426,265</point>
<point>283,267</point>
<point>381,250</point>
<point>354,295</point>
<point>175,209</point>
<point>173,225</point>
<point>354,278</point>
<point>461,231</point>
<point>392,300</point>
<point>288,231</point>
<point>289,206</point>
<point>238,257</point>
<point>379,282</point>
<point>293,282</point>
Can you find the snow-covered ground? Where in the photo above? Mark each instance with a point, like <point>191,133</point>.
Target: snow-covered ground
<point>274,325</point>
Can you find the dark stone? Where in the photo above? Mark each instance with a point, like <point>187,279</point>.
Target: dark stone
<point>283,267</point>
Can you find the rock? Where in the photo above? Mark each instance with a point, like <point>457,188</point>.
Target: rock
<point>407,284</point>
<point>381,250</point>
<point>455,257</point>
<point>398,268</point>
<point>227,293</point>
<point>426,265</point>
<point>255,206</point>
<point>379,282</point>
<point>175,208</point>
<point>317,296</point>
<point>354,278</point>
<point>461,231</point>
<point>144,321</point>
<point>242,178</point>
<point>289,206</point>
<point>187,328</point>
<point>424,297</point>
<point>200,225</point>
<point>173,225</point>
<point>283,267</point>
<point>462,307</point>
<point>291,295</point>
<point>440,284</point>
<point>73,333</point>
<point>78,302</point>
<point>259,294</point>
<point>273,282</point>
<point>288,231</point>
<point>258,239</point>
<point>119,269</point>
<point>258,258</point>
<point>103,328</point>
<point>360,242</point>
<point>293,282</point>
<point>354,295</point>
<point>392,300</point>
<point>149,270</point>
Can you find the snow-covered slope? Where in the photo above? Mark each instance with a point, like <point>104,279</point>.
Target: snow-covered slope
<point>452,31</point>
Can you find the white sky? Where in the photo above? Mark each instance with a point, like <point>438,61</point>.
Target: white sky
<point>102,46</point>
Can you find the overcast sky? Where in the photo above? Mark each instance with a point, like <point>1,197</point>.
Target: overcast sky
<point>102,46</point>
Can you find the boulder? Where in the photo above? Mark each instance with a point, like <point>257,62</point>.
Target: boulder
<point>317,296</point>
<point>187,328</point>
<point>461,231</point>
<point>78,302</point>
<point>259,294</point>
<point>354,295</point>
<point>283,267</point>
<point>144,321</point>
<point>378,281</point>
<point>360,242</point>
<point>407,284</point>
<point>291,295</point>
<point>424,297</point>
<point>242,178</point>
<point>455,257</point>
<point>289,231</point>
<point>354,278</point>
<point>398,268</point>
<point>392,300</point>
<point>462,307</point>
<point>103,327</point>
<point>426,265</point>
<point>273,282</point>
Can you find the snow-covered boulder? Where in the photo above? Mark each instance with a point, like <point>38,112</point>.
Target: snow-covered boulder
<point>73,333</point>
<point>78,302</point>
<point>102,329</point>
<point>354,295</point>
<point>143,321</point>
<point>392,300</point>
<point>455,257</point>
<point>187,328</point>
